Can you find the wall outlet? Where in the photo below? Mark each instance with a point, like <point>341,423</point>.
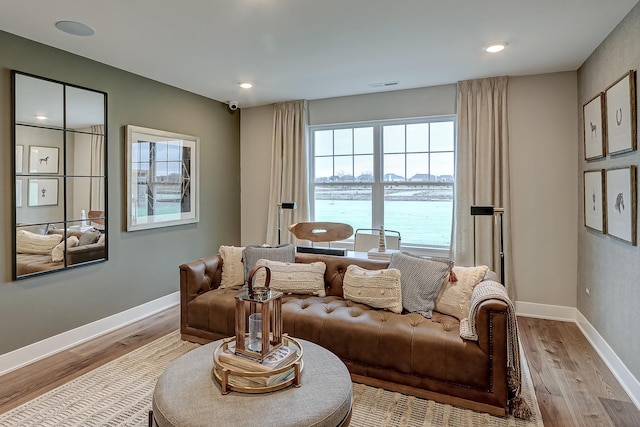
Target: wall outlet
<point>588,291</point>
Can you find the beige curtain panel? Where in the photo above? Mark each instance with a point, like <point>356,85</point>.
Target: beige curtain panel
<point>97,197</point>
<point>289,182</point>
<point>482,175</point>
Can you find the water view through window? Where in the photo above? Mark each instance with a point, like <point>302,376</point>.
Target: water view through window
<point>398,173</point>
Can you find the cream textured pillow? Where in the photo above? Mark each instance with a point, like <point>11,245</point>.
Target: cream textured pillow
<point>57,253</point>
<point>293,277</point>
<point>32,243</point>
<point>454,297</point>
<point>376,288</point>
<point>232,267</point>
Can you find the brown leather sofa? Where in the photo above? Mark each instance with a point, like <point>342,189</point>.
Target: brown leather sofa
<point>35,263</point>
<point>399,352</point>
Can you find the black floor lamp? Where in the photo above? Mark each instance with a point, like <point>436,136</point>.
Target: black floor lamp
<point>283,205</point>
<point>490,210</point>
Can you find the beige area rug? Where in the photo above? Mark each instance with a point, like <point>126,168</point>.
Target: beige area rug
<point>119,394</point>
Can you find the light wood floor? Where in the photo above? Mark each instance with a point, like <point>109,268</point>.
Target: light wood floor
<point>573,385</point>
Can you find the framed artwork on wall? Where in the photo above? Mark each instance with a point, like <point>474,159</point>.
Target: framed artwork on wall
<point>19,154</point>
<point>43,159</point>
<point>162,178</point>
<point>621,204</point>
<point>592,114</point>
<point>43,192</point>
<point>621,114</point>
<point>594,200</point>
<point>18,193</point>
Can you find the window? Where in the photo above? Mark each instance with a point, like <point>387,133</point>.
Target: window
<point>398,173</point>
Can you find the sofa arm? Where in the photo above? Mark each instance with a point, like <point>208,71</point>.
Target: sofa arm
<point>199,276</point>
<point>85,253</point>
<point>491,326</point>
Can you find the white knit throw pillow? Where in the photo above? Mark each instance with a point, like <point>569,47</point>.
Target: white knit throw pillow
<point>454,297</point>
<point>57,253</point>
<point>232,267</point>
<point>375,288</point>
<point>32,243</point>
<point>293,277</point>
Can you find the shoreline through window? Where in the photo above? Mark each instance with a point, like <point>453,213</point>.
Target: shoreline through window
<point>396,173</point>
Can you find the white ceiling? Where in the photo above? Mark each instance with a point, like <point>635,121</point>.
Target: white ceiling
<point>312,49</point>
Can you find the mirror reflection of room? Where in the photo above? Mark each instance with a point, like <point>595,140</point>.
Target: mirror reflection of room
<point>60,192</point>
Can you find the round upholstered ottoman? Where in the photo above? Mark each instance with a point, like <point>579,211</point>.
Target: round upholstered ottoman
<point>187,395</point>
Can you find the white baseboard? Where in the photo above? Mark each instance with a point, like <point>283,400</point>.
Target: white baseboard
<point>41,349</point>
<point>570,314</point>
<point>629,383</point>
<point>546,311</point>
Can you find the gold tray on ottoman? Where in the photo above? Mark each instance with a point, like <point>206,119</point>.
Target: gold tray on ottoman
<point>234,378</point>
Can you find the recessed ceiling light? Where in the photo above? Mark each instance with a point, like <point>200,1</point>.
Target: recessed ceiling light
<point>496,47</point>
<point>41,117</point>
<point>75,28</point>
<point>245,85</point>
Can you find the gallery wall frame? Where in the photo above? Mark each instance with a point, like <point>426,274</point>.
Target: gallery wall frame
<point>18,193</point>
<point>621,205</point>
<point>43,159</point>
<point>593,127</point>
<point>43,192</point>
<point>162,171</point>
<point>621,122</point>
<point>595,200</point>
<point>19,157</point>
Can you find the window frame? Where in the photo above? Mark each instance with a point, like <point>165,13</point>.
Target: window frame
<point>378,185</point>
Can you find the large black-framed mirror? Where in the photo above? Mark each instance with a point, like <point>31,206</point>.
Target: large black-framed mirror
<point>60,174</point>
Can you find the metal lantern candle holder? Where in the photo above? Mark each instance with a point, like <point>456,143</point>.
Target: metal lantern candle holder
<point>267,303</point>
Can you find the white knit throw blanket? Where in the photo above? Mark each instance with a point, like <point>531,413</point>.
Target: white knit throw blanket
<point>484,291</point>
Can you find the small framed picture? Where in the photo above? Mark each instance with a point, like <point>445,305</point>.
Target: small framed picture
<point>19,154</point>
<point>43,192</point>
<point>18,193</point>
<point>43,159</point>
<point>621,204</point>
<point>594,199</point>
<point>621,114</point>
<point>594,142</point>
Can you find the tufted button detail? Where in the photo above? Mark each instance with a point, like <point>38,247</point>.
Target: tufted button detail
<point>359,292</point>
<point>381,291</point>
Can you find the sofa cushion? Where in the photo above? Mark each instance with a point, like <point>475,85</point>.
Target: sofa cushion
<point>32,243</point>
<point>421,280</point>
<point>294,278</point>
<point>232,268</point>
<point>252,253</point>
<point>454,297</point>
<point>376,288</point>
<point>89,237</point>
<point>57,253</point>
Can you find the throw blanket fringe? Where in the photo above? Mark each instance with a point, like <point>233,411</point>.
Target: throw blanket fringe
<point>487,290</point>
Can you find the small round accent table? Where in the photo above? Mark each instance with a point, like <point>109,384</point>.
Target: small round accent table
<point>186,394</point>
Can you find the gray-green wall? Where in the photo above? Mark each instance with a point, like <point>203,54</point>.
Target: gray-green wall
<point>143,265</point>
<point>608,266</point>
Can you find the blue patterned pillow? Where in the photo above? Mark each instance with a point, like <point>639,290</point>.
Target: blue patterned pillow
<point>252,253</point>
<point>420,280</point>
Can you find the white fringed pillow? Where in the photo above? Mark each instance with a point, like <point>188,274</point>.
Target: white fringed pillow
<point>32,243</point>
<point>375,288</point>
<point>454,297</point>
<point>293,277</point>
<point>57,253</point>
<point>232,267</point>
